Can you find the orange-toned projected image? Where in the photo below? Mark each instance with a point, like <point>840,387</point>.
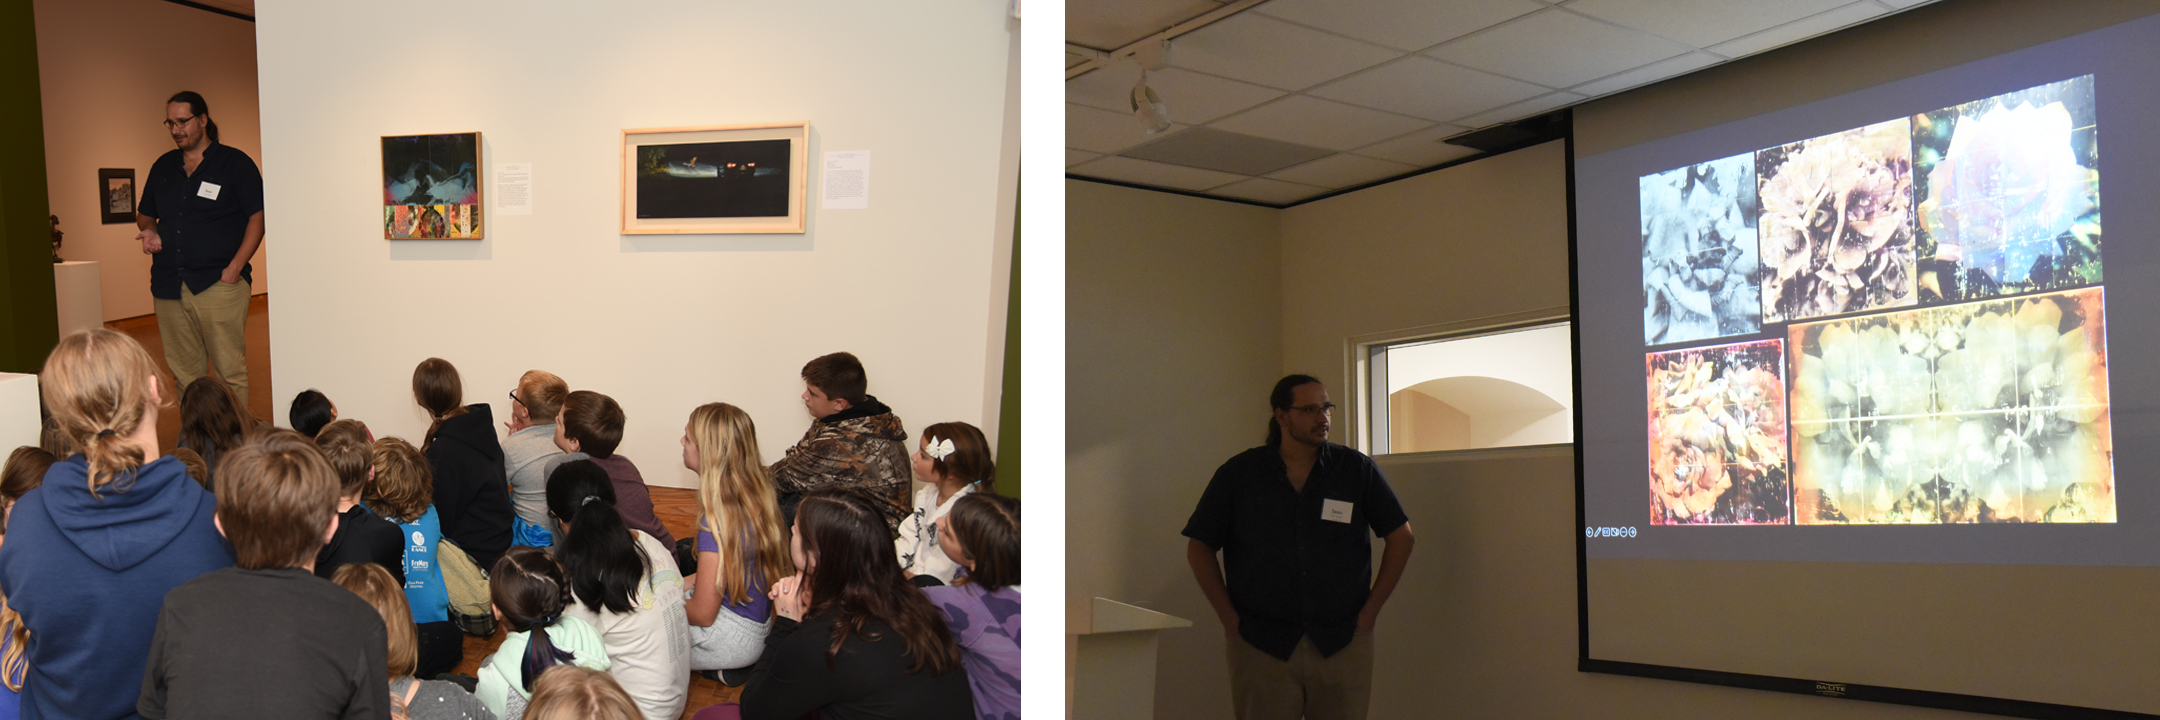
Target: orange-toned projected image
<point>1990,411</point>
<point>1717,435</point>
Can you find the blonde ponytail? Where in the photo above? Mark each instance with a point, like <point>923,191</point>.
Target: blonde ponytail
<point>98,385</point>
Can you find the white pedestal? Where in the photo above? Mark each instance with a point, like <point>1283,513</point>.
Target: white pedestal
<point>1110,652</point>
<point>81,296</point>
<point>19,423</point>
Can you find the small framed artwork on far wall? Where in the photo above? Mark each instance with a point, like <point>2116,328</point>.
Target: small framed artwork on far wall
<point>715,180</point>
<point>116,195</point>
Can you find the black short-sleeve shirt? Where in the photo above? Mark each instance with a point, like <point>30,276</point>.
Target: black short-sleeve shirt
<point>201,234</point>
<point>1291,569</point>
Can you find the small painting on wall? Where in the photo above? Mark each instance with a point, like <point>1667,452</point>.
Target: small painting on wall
<point>710,180</point>
<point>431,187</point>
<point>116,187</point>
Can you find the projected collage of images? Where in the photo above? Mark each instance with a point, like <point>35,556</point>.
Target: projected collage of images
<point>1898,323</point>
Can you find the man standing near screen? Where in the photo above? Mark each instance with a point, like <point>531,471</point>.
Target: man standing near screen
<point>1294,520</point>
<point>201,219</point>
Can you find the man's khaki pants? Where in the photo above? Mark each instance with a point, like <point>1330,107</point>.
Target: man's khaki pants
<point>210,325</point>
<point>1308,686</point>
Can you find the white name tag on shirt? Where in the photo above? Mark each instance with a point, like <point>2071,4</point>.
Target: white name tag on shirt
<point>208,190</point>
<point>1335,511</point>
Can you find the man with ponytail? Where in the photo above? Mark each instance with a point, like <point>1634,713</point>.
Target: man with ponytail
<point>200,221</point>
<point>91,552</point>
<point>268,638</point>
<point>1294,520</point>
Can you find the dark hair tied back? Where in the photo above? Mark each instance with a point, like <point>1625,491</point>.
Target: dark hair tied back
<point>1280,399</point>
<point>197,106</point>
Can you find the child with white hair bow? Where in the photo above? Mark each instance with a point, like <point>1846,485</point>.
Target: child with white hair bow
<point>954,460</point>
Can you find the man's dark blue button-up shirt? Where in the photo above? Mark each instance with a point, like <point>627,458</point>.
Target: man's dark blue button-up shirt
<point>200,234</point>
<point>1292,572</point>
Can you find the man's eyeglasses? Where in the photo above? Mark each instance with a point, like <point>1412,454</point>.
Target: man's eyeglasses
<point>170,124</point>
<point>1322,409</point>
<point>514,398</point>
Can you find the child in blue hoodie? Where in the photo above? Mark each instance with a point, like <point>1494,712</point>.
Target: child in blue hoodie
<point>91,553</point>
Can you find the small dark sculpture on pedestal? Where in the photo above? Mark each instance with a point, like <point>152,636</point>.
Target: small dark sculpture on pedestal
<point>56,240</point>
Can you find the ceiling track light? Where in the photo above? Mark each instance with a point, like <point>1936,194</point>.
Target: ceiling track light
<point>1148,106</point>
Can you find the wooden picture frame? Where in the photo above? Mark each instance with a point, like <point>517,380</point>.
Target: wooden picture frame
<point>117,195</point>
<point>431,187</point>
<point>716,180</point>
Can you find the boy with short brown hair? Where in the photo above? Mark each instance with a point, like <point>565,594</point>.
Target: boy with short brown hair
<point>267,638</point>
<point>590,425</point>
<point>854,442</point>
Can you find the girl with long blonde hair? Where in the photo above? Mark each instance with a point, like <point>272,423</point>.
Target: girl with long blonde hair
<point>740,541</point>
<point>91,553</point>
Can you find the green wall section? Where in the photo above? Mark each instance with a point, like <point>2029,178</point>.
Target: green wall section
<point>29,316</point>
<point>1008,457</point>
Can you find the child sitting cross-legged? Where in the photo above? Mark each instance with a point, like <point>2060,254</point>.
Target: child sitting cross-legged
<point>954,460</point>
<point>414,698</point>
<point>361,536</point>
<point>403,492</point>
<point>530,591</point>
<point>267,638</point>
<point>982,533</point>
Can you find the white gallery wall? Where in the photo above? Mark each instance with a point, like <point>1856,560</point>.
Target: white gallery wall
<point>914,285</point>
<point>105,68</point>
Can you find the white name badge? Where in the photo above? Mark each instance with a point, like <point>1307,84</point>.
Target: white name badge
<point>1335,511</point>
<point>208,190</point>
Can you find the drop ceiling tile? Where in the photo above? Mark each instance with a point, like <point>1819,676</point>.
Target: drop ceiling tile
<point>1112,24</point>
<point>1404,24</point>
<point>1427,88</point>
<point>1341,171</point>
<point>1259,49</point>
<point>1268,191</point>
<point>1229,152</point>
<point>1311,121</point>
<point>1072,59</point>
<point>1801,29</point>
<point>1556,48</point>
<point>1154,173</point>
<point>1702,23</point>
<point>1193,98</point>
<point>1422,148</point>
<point>1103,131</point>
<point>1520,110</point>
<point>1650,73</point>
<point>1075,157</point>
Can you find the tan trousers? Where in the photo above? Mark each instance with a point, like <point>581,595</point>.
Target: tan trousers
<point>210,325</point>
<point>1308,686</point>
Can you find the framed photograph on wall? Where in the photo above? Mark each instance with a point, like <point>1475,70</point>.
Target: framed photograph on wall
<point>117,187</point>
<point>715,180</point>
<point>431,187</point>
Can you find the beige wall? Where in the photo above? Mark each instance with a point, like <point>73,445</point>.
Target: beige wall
<point>105,68</point>
<point>1418,422</point>
<point>1173,316</point>
<point>1484,624</point>
<point>661,323</point>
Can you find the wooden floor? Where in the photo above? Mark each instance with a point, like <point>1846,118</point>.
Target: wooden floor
<point>145,331</point>
<point>677,507</point>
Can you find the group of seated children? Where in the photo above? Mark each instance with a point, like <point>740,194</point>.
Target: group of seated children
<point>264,572</point>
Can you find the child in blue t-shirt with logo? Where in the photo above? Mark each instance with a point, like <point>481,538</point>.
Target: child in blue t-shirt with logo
<point>402,493</point>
